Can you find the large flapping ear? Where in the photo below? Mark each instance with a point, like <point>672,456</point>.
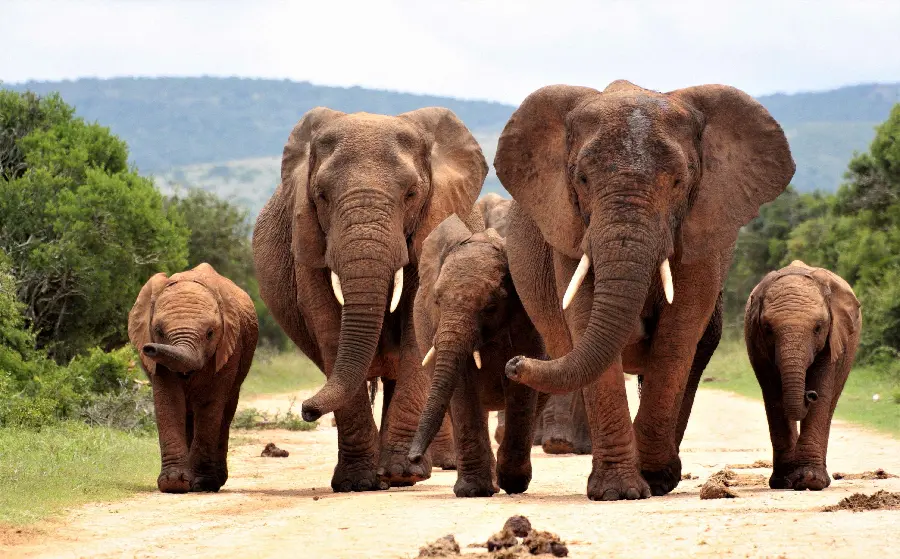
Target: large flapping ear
<point>457,166</point>
<point>746,162</point>
<point>495,212</point>
<point>232,302</point>
<point>140,316</point>
<point>308,244</point>
<point>451,233</point>
<point>531,163</point>
<point>753,310</point>
<point>846,317</point>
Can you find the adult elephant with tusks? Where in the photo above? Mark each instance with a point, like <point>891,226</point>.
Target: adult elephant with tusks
<point>629,205</point>
<point>336,251</point>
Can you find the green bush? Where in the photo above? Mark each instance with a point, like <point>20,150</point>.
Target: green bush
<point>106,372</point>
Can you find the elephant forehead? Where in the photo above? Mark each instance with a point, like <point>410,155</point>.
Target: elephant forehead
<point>788,293</point>
<point>187,297</point>
<point>475,270</point>
<point>367,131</point>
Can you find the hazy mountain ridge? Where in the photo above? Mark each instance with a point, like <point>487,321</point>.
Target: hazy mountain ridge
<point>226,134</point>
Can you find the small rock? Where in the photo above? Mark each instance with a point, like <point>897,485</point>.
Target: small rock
<point>272,451</point>
<point>519,525</point>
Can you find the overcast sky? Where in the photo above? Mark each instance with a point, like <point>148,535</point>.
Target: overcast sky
<point>487,49</point>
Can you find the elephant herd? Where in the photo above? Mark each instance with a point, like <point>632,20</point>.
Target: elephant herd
<point>375,258</point>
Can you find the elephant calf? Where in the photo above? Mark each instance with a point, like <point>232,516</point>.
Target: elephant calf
<point>802,328</point>
<point>469,323</point>
<point>196,333</point>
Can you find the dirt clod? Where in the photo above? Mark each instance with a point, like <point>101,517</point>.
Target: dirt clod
<point>519,525</point>
<point>757,464</point>
<point>502,539</point>
<point>877,474</point>
<point>441,547</point>
<point>272,451</point>
<point>719,485</point>
<point>860,502</point>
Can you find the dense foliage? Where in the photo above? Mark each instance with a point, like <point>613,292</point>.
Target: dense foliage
<point>855,233</point>
<point>173,122</point>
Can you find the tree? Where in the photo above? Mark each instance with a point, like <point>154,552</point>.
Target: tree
<point>83,232</point>
<point>220,236</point>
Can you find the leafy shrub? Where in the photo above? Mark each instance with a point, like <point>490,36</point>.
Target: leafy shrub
<point>106,372</point>
<point>130,408</point>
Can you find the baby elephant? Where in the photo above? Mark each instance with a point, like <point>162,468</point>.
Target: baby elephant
<point>469,322</point>
<point>802,328</point>
<point>196,332</point>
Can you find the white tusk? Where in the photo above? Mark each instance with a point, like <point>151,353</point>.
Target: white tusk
<point>428,357</point>
<point>578,277</point>
<point>336,287</point>
<point>476,355</point>
<point>398,289</point>
<point>666,272</point>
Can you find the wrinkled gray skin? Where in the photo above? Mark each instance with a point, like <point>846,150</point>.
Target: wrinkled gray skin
<point>802,328</point>
<point>466,302</point>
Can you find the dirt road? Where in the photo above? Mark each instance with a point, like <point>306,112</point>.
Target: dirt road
<point>284,507</point>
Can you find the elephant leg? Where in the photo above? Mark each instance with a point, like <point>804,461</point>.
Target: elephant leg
<point>782,432</point>
<point>705,349</point>
<point>542,400</point>
<point>401,419</point>
<point>443,449</point>
<point>206,459</point>
<point>171,413</point>
<point>581,431</point>
<point>558,428</point>
<point>514,455</point>
<point>356,469</point>
<point>474,457</point>
<point>615,474</point>
<point>501,427</point>
<point>678,333</point>
<point>387,386</point>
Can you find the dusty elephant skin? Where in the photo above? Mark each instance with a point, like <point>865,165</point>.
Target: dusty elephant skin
<point>196,333</point>
<point>638,195</point>
<point>469,323</point>
<point>802,328</point>
<point>337,252</point>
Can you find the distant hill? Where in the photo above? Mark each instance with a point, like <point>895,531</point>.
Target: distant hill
<point>226,134</point>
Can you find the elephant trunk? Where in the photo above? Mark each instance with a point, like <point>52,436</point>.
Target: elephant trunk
<point>177,358</point>
<point>453,348</point>
<point>624,264</point>
<point>793,364</point>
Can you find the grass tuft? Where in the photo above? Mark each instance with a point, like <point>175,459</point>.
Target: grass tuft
<point>280,373</point>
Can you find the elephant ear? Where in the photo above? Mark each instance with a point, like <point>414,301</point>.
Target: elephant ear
<point>753,312</point>
<point>532,159</point>
<point>140,316</point>
<point>451,233</point>
<point>457,166</point>
<point>846,317</point>
<point>746,163</point>
<point>308,243</point>
<point>232,301</point>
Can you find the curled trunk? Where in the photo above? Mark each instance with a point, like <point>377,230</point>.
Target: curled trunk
<point>624,266</point>
<point>176,358</point>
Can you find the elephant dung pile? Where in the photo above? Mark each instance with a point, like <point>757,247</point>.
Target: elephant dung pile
<point>859,502</point>
<point>877,474</point>
<point>517,539</point>
<point>757,464</point>
<point>719,485</point>
<point>272,451</point>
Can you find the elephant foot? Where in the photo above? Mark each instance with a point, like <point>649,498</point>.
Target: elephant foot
<point>398,471</point>
<point>800,478</point>
<point>555,445</point>
<point>474,487</point>
<point>174,480</point>
<point>514,480</point>
<point>349,477</point>
<point>206,484</point>
<point>583,447</point>
<point>616,483</point>
<point>665,479</point>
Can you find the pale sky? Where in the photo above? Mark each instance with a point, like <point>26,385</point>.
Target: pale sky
<point>488,49</point>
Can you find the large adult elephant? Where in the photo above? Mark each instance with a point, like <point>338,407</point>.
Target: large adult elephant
<point>642,194</point>
<point>336,251</point>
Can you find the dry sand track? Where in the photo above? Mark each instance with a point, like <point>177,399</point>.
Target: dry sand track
<point>275,507</point>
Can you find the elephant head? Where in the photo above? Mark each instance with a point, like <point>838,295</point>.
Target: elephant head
<point>462,303</point>
<point>626,180</point>
<point>365,191</point>
<point>184,321</point>
<point>795,316</point>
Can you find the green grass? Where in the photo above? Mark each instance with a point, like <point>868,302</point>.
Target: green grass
<point>278,373</point>
<point>730,370</point>
<point>68,464</point>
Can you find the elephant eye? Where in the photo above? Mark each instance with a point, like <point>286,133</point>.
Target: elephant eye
<point>582,178</point>
<point>322,196</point>
<point>768,328</point>
<point>818,328</point>
<point>159,331</point>
<point>411,193</point>
<point>209,334</point>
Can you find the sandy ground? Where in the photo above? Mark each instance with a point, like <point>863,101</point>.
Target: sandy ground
<point>284,507</point>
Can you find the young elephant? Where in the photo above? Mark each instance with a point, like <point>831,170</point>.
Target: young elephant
<point>802,328</point>
<point>196,333</point>
<point>469,322</point>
